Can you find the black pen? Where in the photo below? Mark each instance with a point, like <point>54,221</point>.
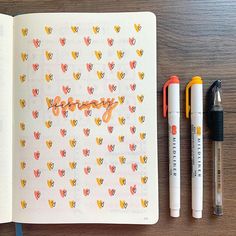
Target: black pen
<point>216,124</point>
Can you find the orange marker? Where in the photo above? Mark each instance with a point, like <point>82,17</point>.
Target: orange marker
<point>173,108</point>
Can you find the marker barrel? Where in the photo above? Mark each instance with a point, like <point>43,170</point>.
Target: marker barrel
<point>197,150</point>
<point>174,164</point>
<point>197,165</point>
<point>174,148</point>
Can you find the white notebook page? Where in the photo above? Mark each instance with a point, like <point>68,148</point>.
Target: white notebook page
<point>87,163</point>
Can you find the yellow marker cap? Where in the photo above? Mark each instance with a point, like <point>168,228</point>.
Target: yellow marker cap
<point>194,80</point>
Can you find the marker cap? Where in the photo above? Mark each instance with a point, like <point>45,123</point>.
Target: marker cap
<point>173,95</point>
<point>196,96</point>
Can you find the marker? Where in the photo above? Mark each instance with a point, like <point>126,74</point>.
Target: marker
<point>173,108</point>
<point>197,142</point>
<point>216,125</point>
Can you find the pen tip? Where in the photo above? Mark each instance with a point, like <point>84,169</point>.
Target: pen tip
<point>218,210</point>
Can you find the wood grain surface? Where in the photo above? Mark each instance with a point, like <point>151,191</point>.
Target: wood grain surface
<point>194,38</point>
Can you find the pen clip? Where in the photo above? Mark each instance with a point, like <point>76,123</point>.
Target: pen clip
<point>195,80</point>
<point>172,80</point>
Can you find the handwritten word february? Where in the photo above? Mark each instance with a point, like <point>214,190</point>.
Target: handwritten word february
<point>58,105</point>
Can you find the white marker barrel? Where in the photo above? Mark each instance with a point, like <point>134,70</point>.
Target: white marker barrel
<point>174,148</point>
<point>197,150</point>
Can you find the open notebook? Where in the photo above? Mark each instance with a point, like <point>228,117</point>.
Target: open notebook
<point>78,124</point>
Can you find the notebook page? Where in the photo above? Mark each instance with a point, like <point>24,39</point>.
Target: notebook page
<point>85,146</point>
<point>6,43</point>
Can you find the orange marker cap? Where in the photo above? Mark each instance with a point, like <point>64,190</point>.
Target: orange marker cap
<point>172,80</point>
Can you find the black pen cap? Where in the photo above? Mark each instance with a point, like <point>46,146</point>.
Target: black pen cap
<point>215,114</point>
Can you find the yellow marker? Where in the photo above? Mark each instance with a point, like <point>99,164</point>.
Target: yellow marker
<point>196,109</point>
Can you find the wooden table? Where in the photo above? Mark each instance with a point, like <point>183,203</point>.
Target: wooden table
<point>194,38</point>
